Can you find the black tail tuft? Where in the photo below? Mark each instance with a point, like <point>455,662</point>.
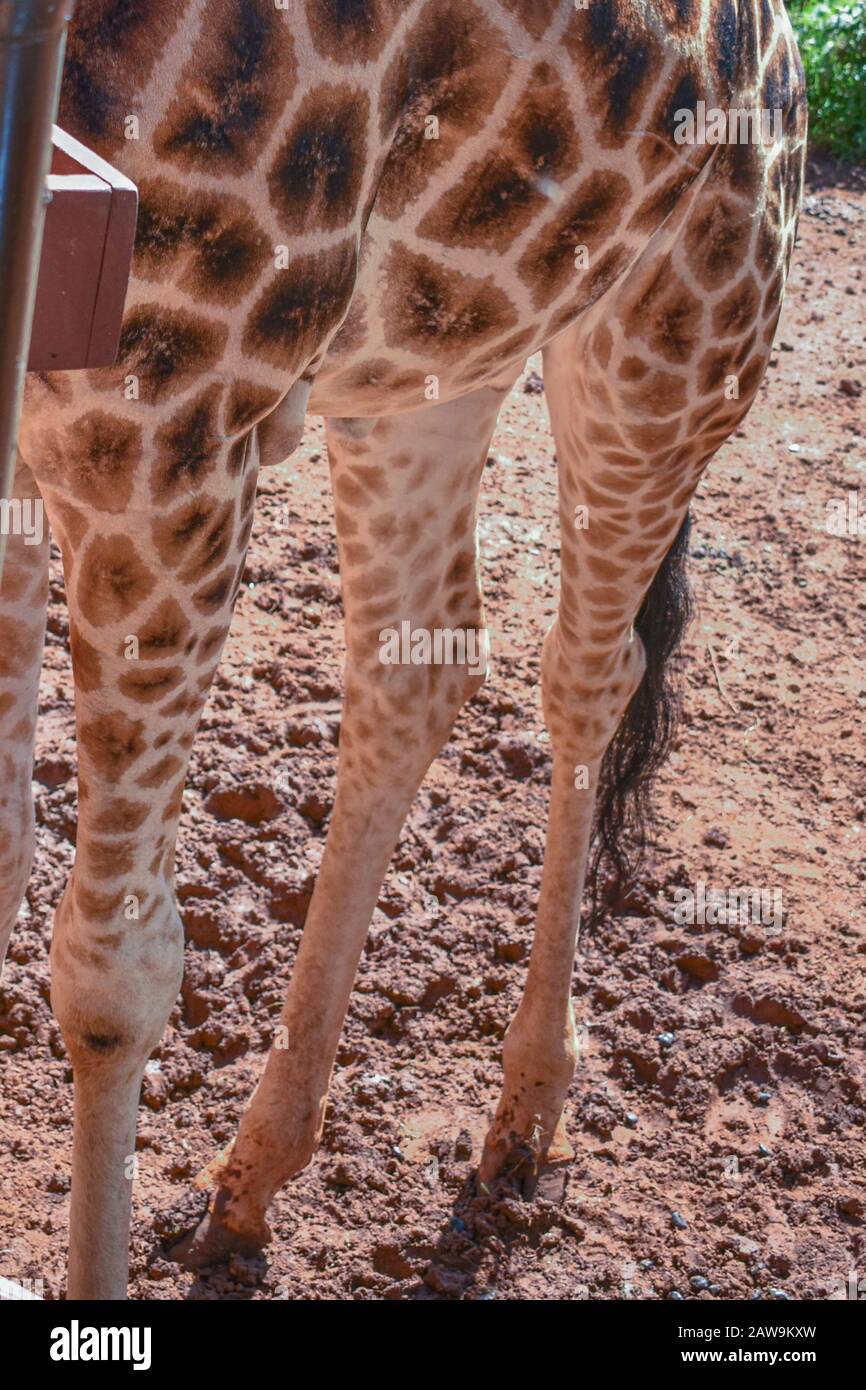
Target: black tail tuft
<point>624,813</point>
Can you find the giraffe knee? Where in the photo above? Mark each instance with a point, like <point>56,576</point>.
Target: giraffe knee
<point>113,982</point>
<point>102,1022</point>
<point>13,887</point>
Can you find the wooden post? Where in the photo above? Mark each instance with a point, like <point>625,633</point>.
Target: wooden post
<point>32,40</point>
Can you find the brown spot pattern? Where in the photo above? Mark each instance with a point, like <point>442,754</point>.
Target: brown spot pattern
<point>436,311</point>
<point>350,31</point>
<point>548,265</point>
<point>300,307</point>
<point>167,349</point>
<point>188,447</point>
<point>452,66</point>
<point>113,581</point>
<point>96,460</point>
<point>315,179</point>
<point>499,195</point>
<point>210,242</point>
<point>232,91</point>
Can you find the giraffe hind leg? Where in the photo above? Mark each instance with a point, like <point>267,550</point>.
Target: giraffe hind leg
<point>637,411</point>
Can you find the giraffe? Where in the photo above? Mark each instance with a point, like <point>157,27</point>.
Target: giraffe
<point>374,211</point>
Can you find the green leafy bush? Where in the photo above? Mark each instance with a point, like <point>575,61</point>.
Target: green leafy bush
<point>832,38</point>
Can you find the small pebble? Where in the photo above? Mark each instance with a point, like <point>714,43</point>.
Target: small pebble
<point>715,838</point>
<point>631,1120</point>
<point>463,1146</point>
<point>764,1151</point>
<point>679,1221</point>
<point>666,1039</point>
<point>780,1294</point>
<point>676,1296</point>
<point>764,1097</point>
<point>698,1281</point>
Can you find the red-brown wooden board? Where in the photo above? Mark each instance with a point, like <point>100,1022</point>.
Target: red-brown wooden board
<point>86,256</point>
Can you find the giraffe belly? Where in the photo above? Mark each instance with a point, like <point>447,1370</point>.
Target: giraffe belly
<point>378,380</point>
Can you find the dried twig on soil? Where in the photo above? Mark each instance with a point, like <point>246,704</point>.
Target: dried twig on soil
<point>722,691</point>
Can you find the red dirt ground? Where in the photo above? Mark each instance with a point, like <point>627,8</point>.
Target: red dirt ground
<point>767,786</point>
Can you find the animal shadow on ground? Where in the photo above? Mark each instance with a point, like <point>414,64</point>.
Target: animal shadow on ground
<point>238,1277</point>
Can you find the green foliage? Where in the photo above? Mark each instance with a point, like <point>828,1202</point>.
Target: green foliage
<point>832,38</point>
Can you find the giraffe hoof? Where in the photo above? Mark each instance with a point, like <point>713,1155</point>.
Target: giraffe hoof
<point>534,1176</point>
<point>547,1182</point>
<point>537,1168</point>
<point>212,1242</point>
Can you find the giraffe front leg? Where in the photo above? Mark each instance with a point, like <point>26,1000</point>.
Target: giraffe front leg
<point>405,502</point>
<point>117,946</point>
<point>114,982</point>
<point>23,606</point>
<point>150,593</point>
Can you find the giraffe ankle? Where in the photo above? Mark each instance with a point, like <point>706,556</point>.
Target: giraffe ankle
<point>421,701</point>
<point>585,692</point>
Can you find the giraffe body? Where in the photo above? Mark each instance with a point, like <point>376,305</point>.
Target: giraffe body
<point>374,211</point>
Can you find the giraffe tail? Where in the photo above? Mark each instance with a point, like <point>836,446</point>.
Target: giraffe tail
<point>624,813</point>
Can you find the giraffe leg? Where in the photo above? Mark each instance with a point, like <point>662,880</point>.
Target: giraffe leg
<point>150,587</point>
<point>405,497</point>
<point>641,395</point>
<point>23,606</point>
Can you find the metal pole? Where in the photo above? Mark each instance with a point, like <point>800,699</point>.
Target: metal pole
<point>32,39</point>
